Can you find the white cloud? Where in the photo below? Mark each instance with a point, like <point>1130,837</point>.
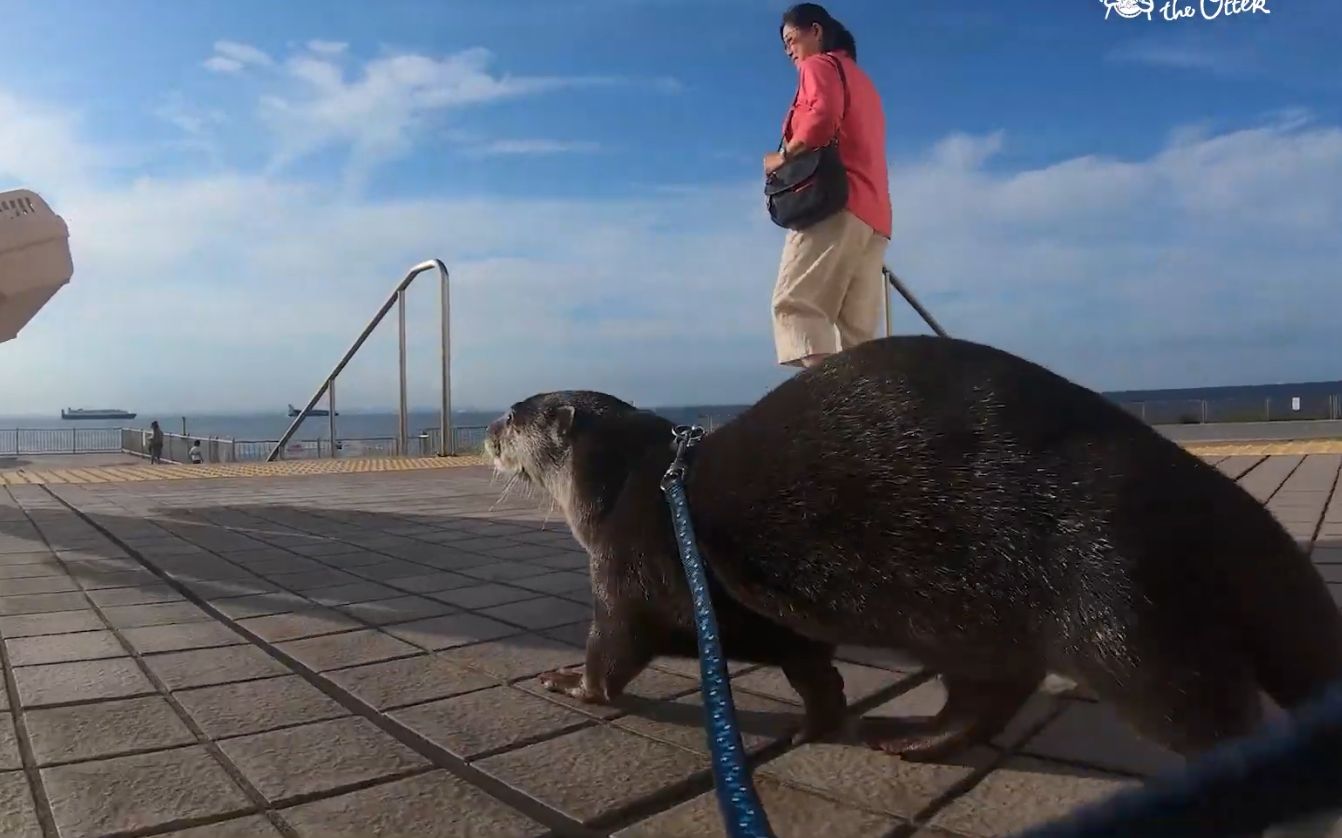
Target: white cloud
<point>222,64</point>
<point>1211,261</point>
<point>533,147</point>
<point>328,47</point>
<point>245,54</point>
<point>378,111</point>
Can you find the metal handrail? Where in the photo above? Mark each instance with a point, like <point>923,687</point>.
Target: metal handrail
<point>397,298</point>
<point>911,300</point>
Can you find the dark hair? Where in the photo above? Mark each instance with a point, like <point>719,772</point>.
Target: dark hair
<point>833,35</point>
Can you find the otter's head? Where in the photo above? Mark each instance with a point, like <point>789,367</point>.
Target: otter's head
<point>535,439</point>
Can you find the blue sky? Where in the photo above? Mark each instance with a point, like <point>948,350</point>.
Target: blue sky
<point>1133,203</point>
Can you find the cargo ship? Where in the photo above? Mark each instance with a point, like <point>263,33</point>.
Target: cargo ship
<point>95,413</point>
<point>316,411</point>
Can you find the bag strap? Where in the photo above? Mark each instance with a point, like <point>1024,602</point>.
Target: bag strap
<point>843,81</point>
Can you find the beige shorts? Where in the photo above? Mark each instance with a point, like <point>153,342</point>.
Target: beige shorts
<point>829,289</point>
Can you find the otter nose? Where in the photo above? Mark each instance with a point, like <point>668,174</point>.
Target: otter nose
<point>496,427</point>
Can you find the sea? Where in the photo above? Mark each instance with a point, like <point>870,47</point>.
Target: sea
<point>1303,400</point>
<point>349,424</point>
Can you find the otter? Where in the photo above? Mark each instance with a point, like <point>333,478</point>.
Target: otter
<point>953,501</point>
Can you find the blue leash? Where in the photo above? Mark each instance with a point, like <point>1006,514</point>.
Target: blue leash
<point>742,813</point>
<point>1283,773</point>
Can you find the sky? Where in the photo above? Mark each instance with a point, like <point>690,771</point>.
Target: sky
<point>1133,203</point>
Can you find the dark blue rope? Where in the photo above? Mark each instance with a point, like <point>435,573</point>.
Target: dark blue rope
<point>742,813</point>
<point>1289,771</point>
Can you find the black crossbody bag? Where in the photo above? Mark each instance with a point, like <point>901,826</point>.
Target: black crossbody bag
<point>813,185</point>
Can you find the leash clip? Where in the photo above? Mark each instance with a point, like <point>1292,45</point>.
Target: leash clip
<point>686,437</point>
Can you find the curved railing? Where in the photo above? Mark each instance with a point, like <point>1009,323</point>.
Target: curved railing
<point>327,388</point>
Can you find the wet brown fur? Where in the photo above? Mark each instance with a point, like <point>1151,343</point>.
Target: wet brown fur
<point>956,502</point>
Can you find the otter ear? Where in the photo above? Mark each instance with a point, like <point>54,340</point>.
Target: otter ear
<point>564,417</point>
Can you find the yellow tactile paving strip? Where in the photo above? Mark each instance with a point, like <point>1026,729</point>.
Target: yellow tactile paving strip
<point>1265,448</point>
<point>292,468</point>
<point>285,468</point>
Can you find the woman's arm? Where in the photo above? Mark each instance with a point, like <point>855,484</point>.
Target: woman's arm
<point>818,111</point>
<point>819,104</point>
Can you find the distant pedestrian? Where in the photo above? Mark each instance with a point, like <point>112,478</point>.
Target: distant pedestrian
<point>155,443</point>
<point>194,454</point>
<point>829,289</point>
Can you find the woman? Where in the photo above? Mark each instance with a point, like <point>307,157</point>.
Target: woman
<point>830,287</point>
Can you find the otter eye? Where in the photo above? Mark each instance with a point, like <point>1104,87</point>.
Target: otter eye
<point>508,420</point>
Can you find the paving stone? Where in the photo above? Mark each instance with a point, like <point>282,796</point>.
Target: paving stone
<point>519,656</point>
<point>255,706</point>
<point>859,776</point>
<point>260,605</point>
<point>680,721</point>
<point>50,623</point>
<point>9,744</point>
<point>252,826</point>
<point>318,757</point>
<point>859,682</point>
<point>203,667</point>
<point>388,570</point>
<point>593,771</point>
<point>348,649</point>
<point>433,805</point>
<point>559,582</point>
<point>427,583</point>
<point>409,680</point>
<point>1022,793</point>
<point>309,622</point>
<point>158,614</point>
<point>28,557</point>
<point>63,683</point>
<point>56,648</point>
<point>149,639</point>
<point>1094,735</point>
<point>98,579</point>
<point>37,585</point>
<point>134,596</point>
<point>566,560</point>
<point>576,635</point>
<point>451,630</point>
<point>356,558</point>
<point>488,720</point>
<point>401,609</point>
<point>140,791</point>
<point>226,588</point>
<point>792,813</point>
<point>501,571</point>
<point>487,595</point>
<point>11,606</point>
<point>346,594</point>
<point>31,571</point>
<point>90,731</point>
<point>312,580</point>
<point>18,816</point>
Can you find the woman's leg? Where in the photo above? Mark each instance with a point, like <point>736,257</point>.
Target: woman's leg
<point>813,277</point>
<point>860,312</point>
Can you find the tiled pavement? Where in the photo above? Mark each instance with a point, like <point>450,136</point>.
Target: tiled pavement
<point>355,655</point>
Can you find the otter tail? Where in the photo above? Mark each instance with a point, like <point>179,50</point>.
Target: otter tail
<point>1295,634</point>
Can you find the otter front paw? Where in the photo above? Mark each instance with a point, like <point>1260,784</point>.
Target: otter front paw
<point>569,682</point>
